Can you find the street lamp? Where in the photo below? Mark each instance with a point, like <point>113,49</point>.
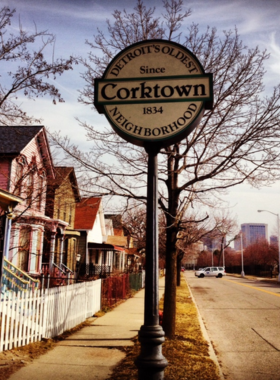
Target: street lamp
<point>277,238</point>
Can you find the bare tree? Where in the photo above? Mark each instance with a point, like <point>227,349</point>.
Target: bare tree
<point>224,232</point>
<point>134,223</point>
<point>237,141</point>
<point>28,71</point>
<point>192,230</point>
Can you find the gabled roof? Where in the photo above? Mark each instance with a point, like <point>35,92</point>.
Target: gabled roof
<point>61,173</point>
<point>13,139</point>
<point>86,212</point>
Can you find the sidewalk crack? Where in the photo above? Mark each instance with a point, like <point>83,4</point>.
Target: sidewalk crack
<point>275,348</point>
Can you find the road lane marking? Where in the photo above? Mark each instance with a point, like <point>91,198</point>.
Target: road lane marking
<point>253,287</point>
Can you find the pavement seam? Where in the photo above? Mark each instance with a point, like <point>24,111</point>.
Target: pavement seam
<point>212,353</point>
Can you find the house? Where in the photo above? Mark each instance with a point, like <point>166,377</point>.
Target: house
<point>132,259</point>
<point>25,167</point>
<point>8,202</point>
<point>96,256</point>
<point>60,243</point>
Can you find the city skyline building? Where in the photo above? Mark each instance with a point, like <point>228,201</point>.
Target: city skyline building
<point>274,240</point>
<point>252,232</point>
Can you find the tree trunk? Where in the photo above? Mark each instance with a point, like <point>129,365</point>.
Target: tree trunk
<point>179,261</point>
<point>180,256</point>
<point>169,315</point>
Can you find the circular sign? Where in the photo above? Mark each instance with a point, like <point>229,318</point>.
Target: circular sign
<point>154,91</point>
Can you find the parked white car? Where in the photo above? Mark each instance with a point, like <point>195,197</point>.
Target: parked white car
<point>211,272</point>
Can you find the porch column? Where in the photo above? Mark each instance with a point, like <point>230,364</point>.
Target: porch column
<point>40,252</point>
<point>61,251</point>
<point>99,257</point>
<point>13,252</point>
<point>123,259</point>
<point>52,249</point>
<point>120,261</point>
<point>33,249</point>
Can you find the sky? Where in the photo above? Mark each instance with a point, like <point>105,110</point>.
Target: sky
<point>74,21</point>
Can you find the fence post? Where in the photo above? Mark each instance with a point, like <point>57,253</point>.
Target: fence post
<point>48,282</point>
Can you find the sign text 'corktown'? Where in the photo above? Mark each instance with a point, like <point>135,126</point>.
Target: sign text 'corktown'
<point>154,91</point>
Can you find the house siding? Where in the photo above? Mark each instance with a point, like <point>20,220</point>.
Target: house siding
<point>31,180</point>
<point>65,203</point>
<point>5,173</point>
<point>95,235</point>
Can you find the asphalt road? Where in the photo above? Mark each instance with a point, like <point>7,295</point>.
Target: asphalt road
<point>242,318</point>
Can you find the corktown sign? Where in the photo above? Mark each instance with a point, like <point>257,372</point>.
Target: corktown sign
<point>154,94</point>
<point>154,91</point>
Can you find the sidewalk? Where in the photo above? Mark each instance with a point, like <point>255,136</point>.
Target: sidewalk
<point>92,352</point>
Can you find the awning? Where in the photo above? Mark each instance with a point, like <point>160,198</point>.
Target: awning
<point>105,247</point>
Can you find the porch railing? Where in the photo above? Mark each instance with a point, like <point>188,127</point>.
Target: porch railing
<point>66,269</point>
<point>57,277</point>
<point>93,270</point>
<point>16,279</point>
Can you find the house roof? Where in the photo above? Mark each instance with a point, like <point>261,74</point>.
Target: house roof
<point>61,173</point>
<point>8,200</point>
<point>86,212</point>
<point>116,219</point>
<point>105,247</point>
<point>13,139</point>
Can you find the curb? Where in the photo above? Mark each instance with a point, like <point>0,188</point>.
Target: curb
<point>212,353</point>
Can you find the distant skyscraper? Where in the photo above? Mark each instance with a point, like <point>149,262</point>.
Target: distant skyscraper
<point>273,240</point>
<point>237,244</point>
<point>253,232</point>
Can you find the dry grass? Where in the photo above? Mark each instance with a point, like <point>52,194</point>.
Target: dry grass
<point>187,354</point>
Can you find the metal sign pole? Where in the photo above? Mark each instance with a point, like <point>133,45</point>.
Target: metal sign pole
<point>151,362</point>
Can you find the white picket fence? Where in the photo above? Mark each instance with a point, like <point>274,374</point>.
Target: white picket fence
<point>30,316</point>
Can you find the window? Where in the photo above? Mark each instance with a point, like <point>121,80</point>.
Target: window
<point>58,209</point>
<point>70,214</point>
<point>40,189</point>
<point>23,249</point>
<point>64,214</point>
<point>21,163</point>
<point>30,186</point>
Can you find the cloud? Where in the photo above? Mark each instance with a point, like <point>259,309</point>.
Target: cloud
<point>274,48</point>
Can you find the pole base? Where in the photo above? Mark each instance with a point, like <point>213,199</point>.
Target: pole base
<point>151,363</point>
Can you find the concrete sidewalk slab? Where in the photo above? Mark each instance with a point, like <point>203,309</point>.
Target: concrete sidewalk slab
<point>71,363</point>
<point>91,353</point>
